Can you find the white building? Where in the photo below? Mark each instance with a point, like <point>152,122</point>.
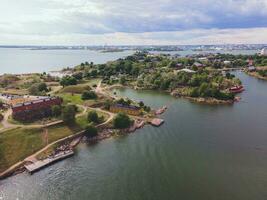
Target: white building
<point>264,52</point>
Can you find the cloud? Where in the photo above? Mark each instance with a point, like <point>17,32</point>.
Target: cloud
<point>195,36</point>
<point>86,18</point>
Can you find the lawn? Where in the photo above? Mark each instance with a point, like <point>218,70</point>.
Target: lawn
<point>76,89</point>
<point>92,82</point>
<point>71,98</point>
<point>19,143</point>
<point>82,120</point>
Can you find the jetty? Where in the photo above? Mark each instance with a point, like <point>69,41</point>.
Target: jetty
<point>156,122</point>
<point>35,166</point>
<point>161,110</point>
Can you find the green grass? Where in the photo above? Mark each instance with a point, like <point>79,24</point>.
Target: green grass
<point>38,122</point>
<point>92,82</point>
<point>69,98</point>
<point>76,89</point>
<point>19,143</point>
<point>82,120</point>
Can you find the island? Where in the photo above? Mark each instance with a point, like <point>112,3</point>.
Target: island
<point>44,117</point>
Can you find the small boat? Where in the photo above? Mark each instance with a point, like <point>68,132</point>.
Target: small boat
<point>237,89</point>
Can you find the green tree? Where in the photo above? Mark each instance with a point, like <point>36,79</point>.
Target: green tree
<point>56,110</point>
<point>78,75</point>
<point>68,80</point>
<point>68,114</point>
<point>93,117</point>
<point>42,87</point>
<point>89,95</point>
<point>91,131</point>
<point>122,121</point>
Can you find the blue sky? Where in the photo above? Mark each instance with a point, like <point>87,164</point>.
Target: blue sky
<point>98,22</point>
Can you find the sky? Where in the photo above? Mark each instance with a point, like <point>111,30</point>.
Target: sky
<point>132,22</point>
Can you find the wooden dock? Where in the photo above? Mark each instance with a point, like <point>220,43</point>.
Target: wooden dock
<point>31,168</point>
<point>157,122</point>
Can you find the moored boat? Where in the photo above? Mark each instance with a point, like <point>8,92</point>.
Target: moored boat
<point>237,89</point>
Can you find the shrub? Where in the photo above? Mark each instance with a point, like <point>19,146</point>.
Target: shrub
<point>93,117</point>
<point>89,95</point>
<point>68,114</point>
<point>122,121</point>
<point>91,131</point>
<point>56,110</point>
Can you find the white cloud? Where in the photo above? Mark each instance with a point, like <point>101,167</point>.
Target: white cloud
<point>135,21</point>
<point>196,36</point>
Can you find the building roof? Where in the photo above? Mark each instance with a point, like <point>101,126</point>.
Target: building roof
<point>127,107</point>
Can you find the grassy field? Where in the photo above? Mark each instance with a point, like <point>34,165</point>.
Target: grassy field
<point>82,120</point>
<point>92,82</point>
<point>76,89</point>
<point>69,98</point>
<point>19,143</point>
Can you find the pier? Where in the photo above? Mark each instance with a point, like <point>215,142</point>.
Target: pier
<point>31,168</point>
<point>157,122</point>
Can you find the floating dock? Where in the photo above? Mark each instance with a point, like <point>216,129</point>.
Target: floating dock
<point>157,122</point>
<point>161,110</point>
<point>31,168</point>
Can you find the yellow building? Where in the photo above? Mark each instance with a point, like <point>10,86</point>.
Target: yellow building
<point>130,110</point>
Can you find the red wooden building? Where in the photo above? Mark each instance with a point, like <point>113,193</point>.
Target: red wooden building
<point>37,109</point>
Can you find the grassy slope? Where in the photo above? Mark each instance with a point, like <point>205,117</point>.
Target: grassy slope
<point>82,120</point>
<point>17,144</point>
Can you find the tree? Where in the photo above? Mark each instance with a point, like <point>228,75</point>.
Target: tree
<point>141,104</point>
<point>68,114</point>
<point>78,75</point>
<point>68,80</point>
<point>56,110</point>
<point>42,87</point>
<point>33,90</point>
<point>93,117</point>
<point>91,131</point>
<point>1,117</point>
<point>122,121</point>
<point>89,95</point>
<point>122,80</point>
<point>38,89</point>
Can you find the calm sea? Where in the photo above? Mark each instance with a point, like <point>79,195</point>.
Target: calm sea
<point>200,153</point>
<point>15,60</point>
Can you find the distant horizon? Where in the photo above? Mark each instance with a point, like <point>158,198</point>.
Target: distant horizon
<point>130,45</point>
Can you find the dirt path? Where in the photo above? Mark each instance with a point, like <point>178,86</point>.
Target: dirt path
<point>5,122</point>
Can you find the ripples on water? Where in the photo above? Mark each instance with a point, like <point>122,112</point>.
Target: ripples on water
<point>201,152</point>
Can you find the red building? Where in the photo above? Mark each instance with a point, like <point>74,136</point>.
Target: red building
<point>37,109</point>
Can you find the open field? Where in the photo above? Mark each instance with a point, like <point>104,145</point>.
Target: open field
<point>82,120</point>
<point>76,89</point>
<point>17,144</point>
<point>71,98</point>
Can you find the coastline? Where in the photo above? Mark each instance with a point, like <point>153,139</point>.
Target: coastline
<point>200,100</point>
<point>255,75</point>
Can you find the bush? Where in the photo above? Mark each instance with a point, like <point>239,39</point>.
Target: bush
<point>68,114</point>
<point>122,121</point>
<point>56,110</point>
<point>68,80</point>
<point>38,89</point>
<point>90,131</point>
<point>89,95</point>
<point>93,117</point>
<point>1,117</point>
